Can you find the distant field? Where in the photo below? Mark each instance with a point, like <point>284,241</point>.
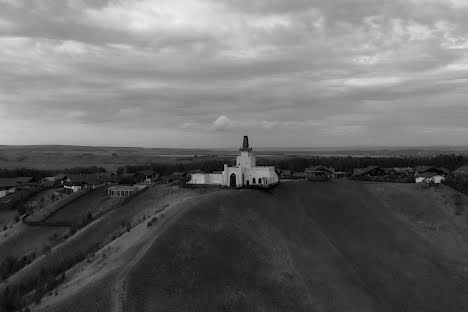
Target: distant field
<point>60,157</point>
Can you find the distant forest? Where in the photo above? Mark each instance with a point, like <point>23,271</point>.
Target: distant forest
<point>297,164</point>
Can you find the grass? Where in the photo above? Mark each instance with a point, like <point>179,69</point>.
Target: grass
<point>338,246</point>
<point>92,202</point>
<point>303,247</point>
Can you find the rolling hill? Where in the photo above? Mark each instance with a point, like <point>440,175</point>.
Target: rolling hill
<point>339,246</point>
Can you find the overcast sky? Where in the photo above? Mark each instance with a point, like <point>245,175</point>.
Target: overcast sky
<point>202,73</point>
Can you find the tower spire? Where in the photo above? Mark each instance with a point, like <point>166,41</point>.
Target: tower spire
<point>245,145</point>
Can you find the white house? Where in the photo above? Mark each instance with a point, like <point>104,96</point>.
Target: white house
<point>430,177</point>
<point>245,173</point>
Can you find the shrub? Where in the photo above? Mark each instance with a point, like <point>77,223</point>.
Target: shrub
<point>128,227</point>
<point>149,224</point>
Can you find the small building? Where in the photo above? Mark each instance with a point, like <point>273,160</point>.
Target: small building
<point>431,169</point>
<point>319,173</point>
<point>7,186</point>
<point>371,171</point>
<point>23,180</point>
<point>429,177</point>
<point>54,180</point>
<point>122,190</point>
<point>76,182</point>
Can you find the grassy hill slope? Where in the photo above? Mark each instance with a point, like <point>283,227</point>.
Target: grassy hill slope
<point>302,247</point>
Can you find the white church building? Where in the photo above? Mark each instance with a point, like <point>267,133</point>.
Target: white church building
<point>245,174</point>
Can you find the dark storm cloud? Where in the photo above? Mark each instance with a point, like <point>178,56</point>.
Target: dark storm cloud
<point>203,72</point>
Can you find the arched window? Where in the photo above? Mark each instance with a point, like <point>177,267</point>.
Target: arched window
<point>247,182</point>
<point>253,181</point>
<point>259,180</point>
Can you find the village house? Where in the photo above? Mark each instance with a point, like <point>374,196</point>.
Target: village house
<point>9,185</point>
<point>319,173</point>
<point>244,173</point>
<point>55,180</point>
<point>431,169</point>
<point>76,182</point>
<point>429,177</point>
<point>371,171</point>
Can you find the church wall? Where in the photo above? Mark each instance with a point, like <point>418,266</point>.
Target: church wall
<point>238,172</point>
<point>266,174</point>
<point>214,178</point>
<point>206,178</point>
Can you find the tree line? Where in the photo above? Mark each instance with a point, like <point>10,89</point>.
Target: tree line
<point>299,164</point>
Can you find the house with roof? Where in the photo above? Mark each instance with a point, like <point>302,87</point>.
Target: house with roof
<point>431,169</point>
<point>319,173</point>
<point>76,182</point>
<point>399,171</point>
<point>10,185</point>
<point>371,171</point>
<point>429,177</point>
<point>7,186</point>
<point>54,180</point>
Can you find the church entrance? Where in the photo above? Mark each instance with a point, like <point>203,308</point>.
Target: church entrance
<point>232,180</point>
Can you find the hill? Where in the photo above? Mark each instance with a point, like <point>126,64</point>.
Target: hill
<point>342,246</point>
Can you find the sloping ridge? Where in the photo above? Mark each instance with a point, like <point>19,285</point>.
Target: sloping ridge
<point>302,247</point>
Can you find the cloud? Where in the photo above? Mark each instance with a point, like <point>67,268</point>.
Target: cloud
<point>315,71</point>
<point>222,123</point>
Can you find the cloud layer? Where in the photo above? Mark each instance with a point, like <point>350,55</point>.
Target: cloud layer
<point>193,73</point>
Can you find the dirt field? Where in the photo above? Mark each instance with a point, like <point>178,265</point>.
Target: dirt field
<point>338,246</point>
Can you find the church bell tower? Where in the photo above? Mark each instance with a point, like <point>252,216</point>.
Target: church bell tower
<point>246,157</point>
